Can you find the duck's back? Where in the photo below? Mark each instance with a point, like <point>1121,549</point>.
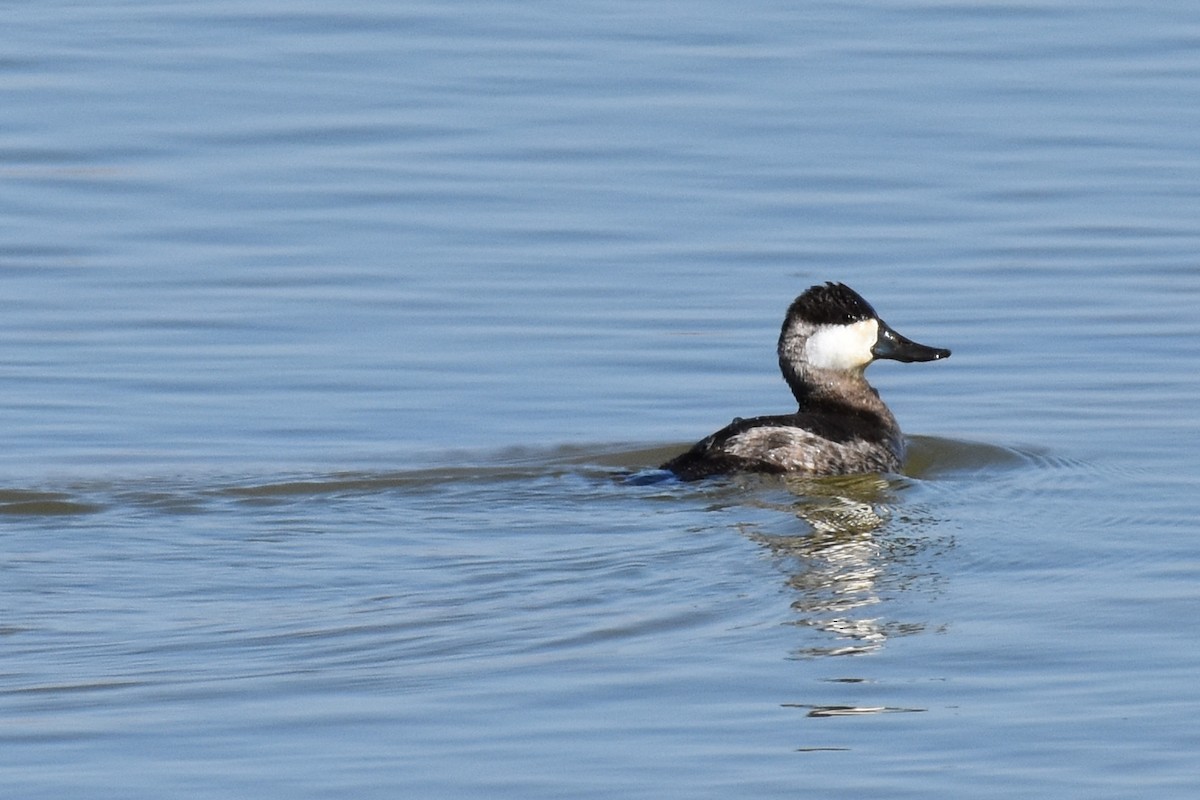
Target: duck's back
<point>805,443</point>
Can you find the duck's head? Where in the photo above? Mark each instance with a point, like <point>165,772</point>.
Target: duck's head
<point>831,328</point>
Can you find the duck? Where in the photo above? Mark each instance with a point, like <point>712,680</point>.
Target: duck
<point>830,335</point>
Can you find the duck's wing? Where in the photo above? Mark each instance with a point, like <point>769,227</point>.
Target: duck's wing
<point>802,443</point>
<point>712,455</point>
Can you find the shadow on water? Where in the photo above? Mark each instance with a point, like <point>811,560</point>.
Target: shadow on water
<point>33,503</point>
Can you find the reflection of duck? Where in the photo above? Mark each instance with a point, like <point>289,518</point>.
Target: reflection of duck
<point>829,337</point>
<point>839,569</point>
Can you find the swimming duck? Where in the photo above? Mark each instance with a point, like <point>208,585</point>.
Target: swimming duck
<point>829,337</point>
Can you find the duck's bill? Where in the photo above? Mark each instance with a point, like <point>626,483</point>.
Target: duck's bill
<point>899,348</point>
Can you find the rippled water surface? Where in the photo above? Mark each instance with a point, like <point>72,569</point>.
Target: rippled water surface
<point>339,344</point>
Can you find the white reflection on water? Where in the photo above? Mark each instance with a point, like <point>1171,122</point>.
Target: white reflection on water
<point>850,560</point>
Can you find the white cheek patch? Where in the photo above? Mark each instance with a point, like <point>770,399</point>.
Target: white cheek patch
<point>842,347</point>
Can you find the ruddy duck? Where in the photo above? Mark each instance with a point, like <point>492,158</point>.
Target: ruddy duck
<point>829,337</point>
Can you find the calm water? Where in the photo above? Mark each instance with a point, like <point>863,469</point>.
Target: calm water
<point>330,332</point>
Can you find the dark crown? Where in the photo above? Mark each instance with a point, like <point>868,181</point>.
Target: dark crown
<point>831,304</point>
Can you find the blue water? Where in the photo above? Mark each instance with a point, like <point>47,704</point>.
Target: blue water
<point>330,333</point>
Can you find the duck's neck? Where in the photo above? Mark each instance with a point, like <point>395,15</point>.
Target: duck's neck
<point>818,390</point>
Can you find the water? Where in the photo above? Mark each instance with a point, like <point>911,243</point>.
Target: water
<point>330,335</point>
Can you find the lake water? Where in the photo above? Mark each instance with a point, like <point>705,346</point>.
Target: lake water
<point>330,332</point>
